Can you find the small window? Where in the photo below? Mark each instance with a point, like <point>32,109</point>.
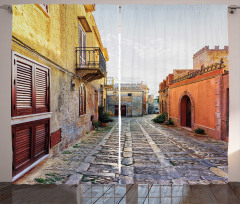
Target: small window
<point>44,8</point>
<point>129,94</point>
<point>82,100</point>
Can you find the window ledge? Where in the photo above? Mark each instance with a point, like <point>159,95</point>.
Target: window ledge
<point>29,118</point>
<point>82,115</point>
<point>29,168</point>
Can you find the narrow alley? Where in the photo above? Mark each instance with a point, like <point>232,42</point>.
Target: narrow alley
<point>151,153</point>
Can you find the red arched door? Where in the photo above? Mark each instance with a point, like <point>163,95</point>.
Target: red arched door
<point>186,113</point>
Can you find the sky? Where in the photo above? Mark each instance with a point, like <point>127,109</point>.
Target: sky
<point>155,39</point>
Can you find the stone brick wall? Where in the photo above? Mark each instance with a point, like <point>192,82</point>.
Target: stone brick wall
<point>134,103</point>
<point>207,56</point>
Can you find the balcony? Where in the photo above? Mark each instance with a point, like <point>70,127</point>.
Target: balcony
<point>90,63</point>
<point>109,83</point>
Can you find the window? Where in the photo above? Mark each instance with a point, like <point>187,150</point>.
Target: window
<point>82,100</point>
<point>82,44</point>
<point>129,94</point>
<point>44,8</point>
<point>30,87</point>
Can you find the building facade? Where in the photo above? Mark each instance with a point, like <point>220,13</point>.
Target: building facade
<point>133,97</point>
<point>58,79</point>
<point>150,104</point>
<point>200,98</point>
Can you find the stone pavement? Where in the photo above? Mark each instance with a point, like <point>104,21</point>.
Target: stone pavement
<point>150,153</point>
<point>170,155</point>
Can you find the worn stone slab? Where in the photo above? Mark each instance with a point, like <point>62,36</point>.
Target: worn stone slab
<point>127,149</point>
<point>83,167</point>
<point>179,181</point>
<point>127,170</point>
<point>219,172</point>
<point>94,152</point>
<point>127,161</point>
<point>126,180</point>
<point>172,172</point>
<point>89,159</point>
<point>127,154</point>
<point>74,179</point>
<point>128,144</point>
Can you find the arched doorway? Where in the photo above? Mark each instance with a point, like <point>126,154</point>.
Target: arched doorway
<point>186,112</point>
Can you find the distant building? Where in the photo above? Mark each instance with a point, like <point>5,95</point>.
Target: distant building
<point>199,98</point>
<point>134,99</point>
<point>150,104</point>
<point>156,105</point>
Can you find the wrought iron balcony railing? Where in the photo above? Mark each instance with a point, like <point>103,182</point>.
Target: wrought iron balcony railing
<point>90,58</point>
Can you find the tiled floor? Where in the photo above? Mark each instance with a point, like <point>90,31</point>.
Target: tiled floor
<point>110,194</point>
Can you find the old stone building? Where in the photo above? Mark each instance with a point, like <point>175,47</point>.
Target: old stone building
<point>134,98</point>
<point>58,79</point>
<point>200,97</point>
<point>151,104</point>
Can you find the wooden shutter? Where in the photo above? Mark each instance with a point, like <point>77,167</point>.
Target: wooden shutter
<point>80,100</point>
<point>82,45</point>
<point>84,100</point>
<point>22,87</point>
<point>42,87</point>
<point>56,137</point>
<point>41,139</point>
<point>22,142</point>
<point>30,87</point>
<point>30,142</point>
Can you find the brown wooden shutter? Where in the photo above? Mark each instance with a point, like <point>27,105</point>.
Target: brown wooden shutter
<point>84,100</point>
<point>42,87</point>
<point>30,142</point>
<point>30,87</point>
<point>56,137</point>
<point>41,139</point>
<point>22,142</point>
<point>22,87</point>
<point>80,100</point>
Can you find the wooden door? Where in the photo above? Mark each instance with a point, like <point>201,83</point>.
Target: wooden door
<point>116,110</point>
<point>188,113</point>
<point>123,110</point>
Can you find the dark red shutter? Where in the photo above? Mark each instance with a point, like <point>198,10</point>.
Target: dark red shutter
<point>84,100</point>
<point>41,81</point>
<point>23,89</point>
<point>22,142</point>
<point>30,87</point>
<point>30,143</point>
<point>80,100</point>
<point>56,137</point>
<point>41,139</point>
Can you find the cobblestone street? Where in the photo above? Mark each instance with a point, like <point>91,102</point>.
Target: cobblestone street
<point>151,153</point>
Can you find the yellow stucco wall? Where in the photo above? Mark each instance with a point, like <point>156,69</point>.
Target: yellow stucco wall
<point>51,41</point>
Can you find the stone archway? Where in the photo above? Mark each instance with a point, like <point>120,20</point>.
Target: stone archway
<point>186,107</point>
